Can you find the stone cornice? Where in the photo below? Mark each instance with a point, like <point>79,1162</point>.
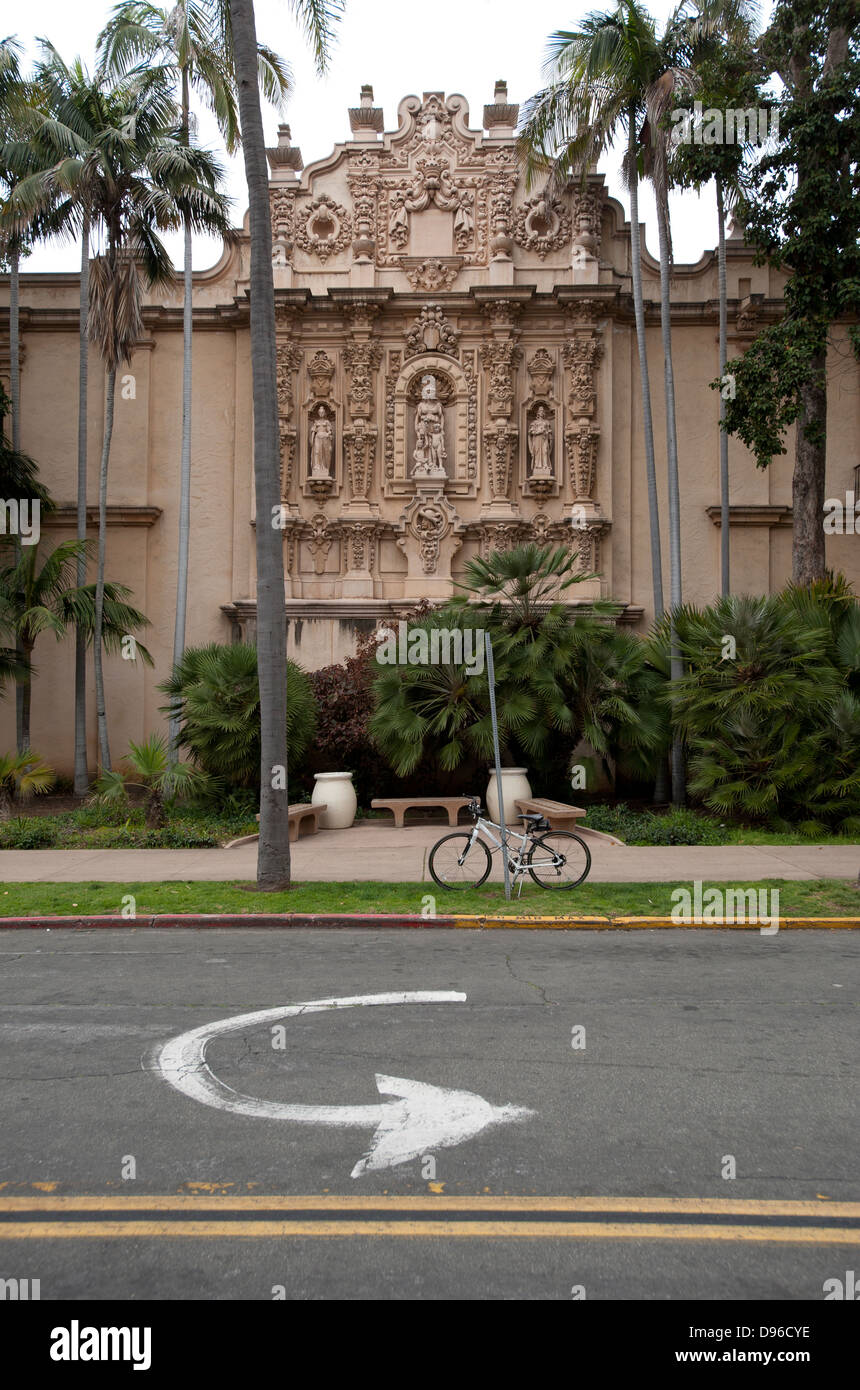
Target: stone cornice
<point>765,514</point>
<point>117,515</point>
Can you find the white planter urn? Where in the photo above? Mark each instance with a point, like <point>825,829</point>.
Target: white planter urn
<point>515,784</point>
<point>335,791</point>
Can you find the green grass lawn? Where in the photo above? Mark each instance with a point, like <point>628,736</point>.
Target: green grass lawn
<point>819,898</point>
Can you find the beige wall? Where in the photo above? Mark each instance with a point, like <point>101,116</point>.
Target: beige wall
<point>353,554</point>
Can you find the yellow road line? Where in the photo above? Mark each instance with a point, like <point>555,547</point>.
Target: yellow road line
<point>704,1206</point>
<point>480,1230</point>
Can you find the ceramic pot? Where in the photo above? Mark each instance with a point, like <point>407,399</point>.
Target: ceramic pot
<point>336,792</point>
<point>515,783</point>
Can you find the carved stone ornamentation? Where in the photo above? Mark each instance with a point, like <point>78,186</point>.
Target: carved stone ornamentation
<point>320,372</point>
<point>432,273</point>
<point>288,359</point>
<point>500,446</point>
<point>500,536</point>
<point>323,228</point>
<point>582,441</point>
<point>587,221</point>
<point>363,191</point>
<point>358,541</point>
<point>587,540</point>
<point>321,450</point>
<point>500,357</point>
<point>359,443</point>
<point>582,356</point>
<point>541,370</point>
<point>430,453</point>
<point>391,378</point>
<point>432,331</point>
<point>282,202</point>
<point>427,522</point>
<point>287,434</point>
<point>361,358</point>
<point>542,225</point>
<point>320,540</point>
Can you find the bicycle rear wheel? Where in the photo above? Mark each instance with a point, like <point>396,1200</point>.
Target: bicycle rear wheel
<point>456,863</point>
<point>559,859</point>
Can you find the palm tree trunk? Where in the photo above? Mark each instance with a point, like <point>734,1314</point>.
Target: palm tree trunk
<point>82,780</point>
<point>185,464</point>
<point>725,535</point>
<point>101,715</point>
<point>647,423</point>
<point>15,343</point>
<point>26,688</point>
<point>273,861</point>
<point>677,668</point>
<point>808,483</point>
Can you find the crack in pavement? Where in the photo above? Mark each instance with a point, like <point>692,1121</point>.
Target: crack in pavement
<point>531,984</point>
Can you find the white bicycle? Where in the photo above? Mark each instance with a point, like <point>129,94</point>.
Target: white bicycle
<point>553,858</point>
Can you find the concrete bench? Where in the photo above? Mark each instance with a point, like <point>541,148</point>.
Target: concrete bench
<point>399,805</point>
<point>300,813</point>
<point>560,816</point>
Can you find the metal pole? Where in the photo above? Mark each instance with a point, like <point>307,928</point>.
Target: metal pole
<point>491,681</point>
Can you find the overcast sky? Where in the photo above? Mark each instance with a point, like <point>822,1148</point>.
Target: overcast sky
<point>400,48</point>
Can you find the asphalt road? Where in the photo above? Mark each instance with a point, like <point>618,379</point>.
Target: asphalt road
<point>700,1048</point>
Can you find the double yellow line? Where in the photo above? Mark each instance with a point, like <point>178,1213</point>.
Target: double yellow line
<point>38,1217</point>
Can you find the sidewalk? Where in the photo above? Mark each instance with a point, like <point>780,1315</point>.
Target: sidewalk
<point>370,851</point>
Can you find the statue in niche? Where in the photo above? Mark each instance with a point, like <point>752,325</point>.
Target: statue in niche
<point>398,227</point>
<point>322,445</point>
<point>464,221</point>
<point>540,444</point>
<point>430,454</point>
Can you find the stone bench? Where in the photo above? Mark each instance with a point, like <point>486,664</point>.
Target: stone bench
<point>300,813</point>
<point>560,816</point>
<point>399,805</point>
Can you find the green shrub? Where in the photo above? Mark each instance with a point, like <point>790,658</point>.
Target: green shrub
<point>218,695</point>
<point>29,832</point>
<point>678,826</point>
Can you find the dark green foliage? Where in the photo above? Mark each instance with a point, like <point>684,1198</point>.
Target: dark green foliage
<point>679,826</point>
<point>773,728</point>
<point>217,691</point>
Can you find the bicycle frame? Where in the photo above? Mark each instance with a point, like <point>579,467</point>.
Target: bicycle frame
<point>516,863</point>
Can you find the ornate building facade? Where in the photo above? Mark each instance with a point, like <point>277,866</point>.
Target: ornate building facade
<point>457,373</point>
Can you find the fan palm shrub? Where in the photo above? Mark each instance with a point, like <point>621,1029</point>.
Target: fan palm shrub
<point>152,772</point>
<point>215,693</point>
<point>22,775</point>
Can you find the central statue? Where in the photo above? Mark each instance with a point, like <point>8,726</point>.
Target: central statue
<point>430,454</point>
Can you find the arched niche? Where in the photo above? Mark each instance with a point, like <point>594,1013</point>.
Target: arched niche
<point>457,392</point>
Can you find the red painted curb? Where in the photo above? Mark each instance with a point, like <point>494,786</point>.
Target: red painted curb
<point>197,920</point>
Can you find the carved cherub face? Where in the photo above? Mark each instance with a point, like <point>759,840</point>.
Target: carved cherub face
<point>321,412</point>
<point>541,412</point>
<point>428,389</point>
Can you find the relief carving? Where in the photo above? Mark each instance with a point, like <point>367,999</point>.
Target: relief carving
<point>324,228</point>
<point>542,225</point>
<point>431,331</point>
<point>430,453</point>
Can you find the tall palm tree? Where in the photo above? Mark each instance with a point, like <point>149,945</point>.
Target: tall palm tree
<point>599,79</point>
<point>239,38</point>
<point>184,42</point>
<point>618,71</point>
<point>13,98</point>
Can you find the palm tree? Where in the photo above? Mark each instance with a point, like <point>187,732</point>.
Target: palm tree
<point>184,42</point>
<point>125,166</point>
<point>21,774</point>
<point>47,598</point>
<point>599,79</point>
<point>152,772</point>
<point>726,80</point>
<point>618,71</point>
<point>13,101</point>
<point>239,39</point>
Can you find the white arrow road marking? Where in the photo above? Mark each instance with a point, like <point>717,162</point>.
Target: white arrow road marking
<point>423,1118</point>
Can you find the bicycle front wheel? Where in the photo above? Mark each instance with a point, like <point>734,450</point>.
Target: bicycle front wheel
<point>559,859</point>
<point>456,862</point>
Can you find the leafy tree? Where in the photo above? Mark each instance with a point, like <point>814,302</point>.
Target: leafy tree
<point>800,212</point>
<point>152,772</point>
<point>216,691</point>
